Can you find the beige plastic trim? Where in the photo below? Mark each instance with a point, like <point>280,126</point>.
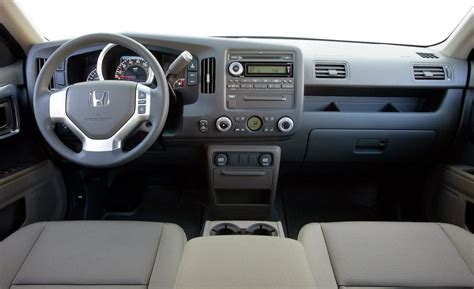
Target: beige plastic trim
<point>457,188</point>
<point>19,25</point>
<point>460,43</point>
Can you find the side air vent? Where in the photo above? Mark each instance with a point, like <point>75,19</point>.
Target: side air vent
<point>427,55</point>
<point>39,65</point>
<point>330,70</point>
<point>208,75</point>
<point>429,72</point>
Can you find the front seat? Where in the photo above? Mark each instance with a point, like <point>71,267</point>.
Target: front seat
<point>389,254</point>
<point>92,254</point>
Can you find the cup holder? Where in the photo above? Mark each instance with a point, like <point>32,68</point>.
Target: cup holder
<point>262,230</point>
<point>258,229</point>
<point>225,229</point>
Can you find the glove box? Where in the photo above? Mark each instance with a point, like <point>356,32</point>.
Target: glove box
<point>341,145</point>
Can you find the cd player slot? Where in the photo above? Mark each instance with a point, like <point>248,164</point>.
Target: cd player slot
<point>264,98</point>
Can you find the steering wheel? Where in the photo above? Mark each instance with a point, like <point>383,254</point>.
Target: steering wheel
<point>101,113</point>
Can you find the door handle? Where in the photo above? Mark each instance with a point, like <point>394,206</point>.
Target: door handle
<point>9,111</point>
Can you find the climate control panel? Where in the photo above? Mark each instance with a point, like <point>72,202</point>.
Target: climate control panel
<point>254,124</point>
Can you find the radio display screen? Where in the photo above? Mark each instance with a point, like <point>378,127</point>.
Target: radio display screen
<point>266,69</point>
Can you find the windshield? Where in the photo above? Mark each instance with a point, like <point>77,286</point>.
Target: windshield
<point>417,22</point>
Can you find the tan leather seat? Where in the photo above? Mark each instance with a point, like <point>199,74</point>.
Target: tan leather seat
<point>384,254</point>
<point>87,254</point>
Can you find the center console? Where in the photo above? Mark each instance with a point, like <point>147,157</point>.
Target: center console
<point>244,262</point>
<point>242,180</point>
<point>260,94</point>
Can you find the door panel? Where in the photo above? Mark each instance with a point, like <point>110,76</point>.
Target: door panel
<point>31,187</point>
<point>454,201</point>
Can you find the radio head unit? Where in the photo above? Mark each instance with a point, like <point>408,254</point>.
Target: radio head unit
<point>262,80</point>
<point>261,69</point>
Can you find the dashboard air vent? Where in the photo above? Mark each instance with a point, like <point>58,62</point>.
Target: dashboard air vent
<point>39,65</point>
<point>208,75</point>
<point>429,72</point>
<point>330,70</point>
<point>427,55</point>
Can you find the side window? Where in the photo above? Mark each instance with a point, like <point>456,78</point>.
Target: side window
<point>10,50</point>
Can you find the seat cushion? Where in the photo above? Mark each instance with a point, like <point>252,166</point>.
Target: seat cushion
<point>390,254</point>
<point>107,253</point>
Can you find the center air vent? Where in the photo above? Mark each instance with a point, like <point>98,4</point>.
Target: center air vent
<point>330,70</point>
<point>429,72</point>
<point>39,65</point>
<point>208,75</point>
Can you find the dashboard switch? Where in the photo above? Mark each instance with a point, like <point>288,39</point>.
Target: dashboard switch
<point>192,66</point>
<point>265,160</point>
<point>223,124</point>
<point>285,124</point>
<point>220,160</point>
<point>203,126</point>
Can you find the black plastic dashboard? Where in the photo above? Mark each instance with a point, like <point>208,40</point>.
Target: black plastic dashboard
<point>347,101</point>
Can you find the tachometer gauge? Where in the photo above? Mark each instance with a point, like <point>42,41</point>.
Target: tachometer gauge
<point>93,76</point>
<point>134,68</point>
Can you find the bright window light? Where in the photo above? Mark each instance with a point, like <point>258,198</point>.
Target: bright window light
<point>416,22</point>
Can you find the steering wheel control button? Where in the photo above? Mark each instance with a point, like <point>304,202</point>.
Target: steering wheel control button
<point>141,95</point>
<point>203,126</point>
<point>141,109</point>
<point>223,124</point>
<point>265,160</point>
<point>220,160</point>
<point>285,124</point>
<point>142,101</point>
<point>236,69</point>
<point>254,123</point>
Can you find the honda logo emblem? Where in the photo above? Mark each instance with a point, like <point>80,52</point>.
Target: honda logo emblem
<point>99,98</point>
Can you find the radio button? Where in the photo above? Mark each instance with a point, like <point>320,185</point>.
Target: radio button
<point>260,86</point>
<point>274,86</point>
<point>247,86</point>
<point>233,86</point>
<point>276,80</point>
<point>288,86</point>
<point>236,69</point>
<point>245,80</point>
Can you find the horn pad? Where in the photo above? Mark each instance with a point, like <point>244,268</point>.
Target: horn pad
<point>100,108</point>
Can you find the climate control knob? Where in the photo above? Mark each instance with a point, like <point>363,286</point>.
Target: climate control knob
<point>285,124</point>
<point>223,124</point>
<point>236,69</point>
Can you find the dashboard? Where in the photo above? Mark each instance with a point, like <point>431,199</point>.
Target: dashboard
<point>320,101</point>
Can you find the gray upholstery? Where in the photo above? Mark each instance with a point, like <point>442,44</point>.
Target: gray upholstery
<point>244,262</point>
<point>83,254</point>
<point>371,254</point>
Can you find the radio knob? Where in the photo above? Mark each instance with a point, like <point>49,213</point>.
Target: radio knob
<point>285,124</point>
<point>236,69</point>
<point>223,124</point>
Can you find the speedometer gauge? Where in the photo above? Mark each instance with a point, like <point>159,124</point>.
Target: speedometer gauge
<point>134,68</point>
